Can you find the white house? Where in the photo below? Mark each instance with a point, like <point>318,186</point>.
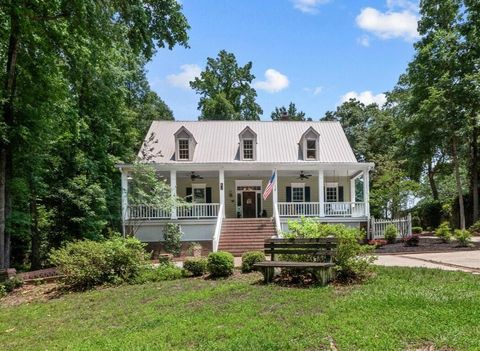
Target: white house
<point>223,168</point>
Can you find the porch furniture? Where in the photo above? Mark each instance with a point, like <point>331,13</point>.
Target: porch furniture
<point>322,250</point>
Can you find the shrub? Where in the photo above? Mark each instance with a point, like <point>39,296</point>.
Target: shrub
<point>11,284</point>
<point>194,249</point>
<point>391,233</point>
<point>196,266</point>
<point>250,258</point>
<point>220,264</point>
<point>475,228</point>
<point>444,232</point>
<point>377,242</point>
<point>417,230</point>
<point>172,236</point>
<point>412,240</point>
<point>162,272</point>
<point>88,263</point>
<point>464,237</point>
<point>353,261</point>
<point>3,291</point>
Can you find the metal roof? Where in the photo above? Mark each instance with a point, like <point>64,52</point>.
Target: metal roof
<point>218,141</point>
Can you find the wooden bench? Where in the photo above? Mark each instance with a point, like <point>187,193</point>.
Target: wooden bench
<point>323,250</point>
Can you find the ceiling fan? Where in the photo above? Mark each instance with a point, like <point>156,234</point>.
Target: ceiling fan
<point>304,176</point>
<point>194,176</point>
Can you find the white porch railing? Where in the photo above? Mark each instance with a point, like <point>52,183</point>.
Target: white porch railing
<point>312,209</point>
<point>218,229</point>
<point>145,212</point>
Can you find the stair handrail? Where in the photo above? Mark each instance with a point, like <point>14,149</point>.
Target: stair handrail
<point>218,229</point>
<point>276,217</point>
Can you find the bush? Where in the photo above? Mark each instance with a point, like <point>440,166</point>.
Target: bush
<point>444,232</point>
<point>417,230</point>
<point>377,242</point>
<point>166,271</point>
<point>172,236</point>
<point>431,213</point>
<point>412,240</point>
<point>250,258</point>
<point>10,284</point>
<point>220,264</point>
<point>88,263</point>
<point>464,237</point>
<point>352,261</point>
<point>475,228</point>
<point>391,233</point>
<point>196,266</point>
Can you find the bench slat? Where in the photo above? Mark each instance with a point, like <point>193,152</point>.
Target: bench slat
<point>302,240</point>
<point>287,264</point>
<point>296,245</point>
<point>300,252</point>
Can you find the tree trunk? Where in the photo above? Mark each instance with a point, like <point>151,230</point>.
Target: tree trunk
<point>458,182</point>
<point>474,172</point>
<point>7,118</point>
<point>432,182</point>
<point>35,258</point>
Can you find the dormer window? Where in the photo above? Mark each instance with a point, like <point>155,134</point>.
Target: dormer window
<point>309,145</point>
<point>183,149</point>
<point>248,145</point>
<point>184,145</point>
<point>248,149</point>
<point>311,149</point>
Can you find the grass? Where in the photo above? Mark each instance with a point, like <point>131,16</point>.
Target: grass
<point>399,309</point>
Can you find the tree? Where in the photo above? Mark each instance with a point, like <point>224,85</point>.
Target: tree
<point>67,69</point>
<point>290,114</point>
<point>225,90</point>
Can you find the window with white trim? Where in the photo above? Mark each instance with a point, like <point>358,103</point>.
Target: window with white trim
<point>199,194</point>
<point>298,192</point>
<point>248,149</point>
<point>183,149</point>
<point>331,192</point>
<point>311,149</point>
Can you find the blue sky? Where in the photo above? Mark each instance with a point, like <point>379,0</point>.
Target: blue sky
<point>312,52</point>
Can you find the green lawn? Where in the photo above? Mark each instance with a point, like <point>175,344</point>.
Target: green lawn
<point>397,310</point>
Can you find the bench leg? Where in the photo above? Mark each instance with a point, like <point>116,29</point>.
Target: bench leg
<point>325,275</point>
<point>268,274</point>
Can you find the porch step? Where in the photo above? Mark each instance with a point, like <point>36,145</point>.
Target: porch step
<point>241,235</point>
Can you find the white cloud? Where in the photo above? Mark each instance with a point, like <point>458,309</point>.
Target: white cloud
<point>274,81</point>
<point>399,21</point>
<point>364,40</point>
<point>365,97</point>
<point>308,6</point>
<point>314,91</point>
<point>183,79</point>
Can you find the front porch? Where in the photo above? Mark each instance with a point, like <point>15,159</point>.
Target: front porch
<point>340,193</point>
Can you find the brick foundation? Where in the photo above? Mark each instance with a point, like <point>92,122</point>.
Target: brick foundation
<point>157,248</point>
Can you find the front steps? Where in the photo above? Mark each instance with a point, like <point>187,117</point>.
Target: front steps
<point>245,234</point>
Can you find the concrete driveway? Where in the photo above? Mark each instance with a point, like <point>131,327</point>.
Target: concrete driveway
<point>466,261</point>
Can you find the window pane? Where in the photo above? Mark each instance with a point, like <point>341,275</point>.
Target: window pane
<point>331,194</point>
<point>183,149</point>
<point>311,149</point>
<point>311,154</point>
<point>297,194</point>
<point>199,195</point>
<point>310,144</point>
<point>248,149</point>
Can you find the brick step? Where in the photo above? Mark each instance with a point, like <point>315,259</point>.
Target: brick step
<point>249,234</point>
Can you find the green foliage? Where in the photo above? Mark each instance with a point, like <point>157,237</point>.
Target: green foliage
<point>391,233</point>
<point>463,237</point>
<point>225,90</point>
<point>290,114</point>
<point>444,232</point>
<point>353,260</point>
<point>220,264</point>
<point>88,263</point>
<point>417,230</point>
<point>172,236</point>
<point>196,266</point>
<point>166,271</point>
<point>250,258</point>
<point>10,284</point>
<point>430,212</point>
<point>412,240</point>
<point>475,228</point>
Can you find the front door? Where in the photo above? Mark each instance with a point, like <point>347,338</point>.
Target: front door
<point>249,206</point>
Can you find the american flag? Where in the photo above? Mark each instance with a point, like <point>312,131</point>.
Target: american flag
<point>269,187</point>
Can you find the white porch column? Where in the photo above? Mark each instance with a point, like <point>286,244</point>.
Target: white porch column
<point>275,189</point>
<point>124,185</point>
<point>352,190</point>
<point>221,187</point>
<point>321,192</point>
<point>173,187</point>
<point>366,191</point>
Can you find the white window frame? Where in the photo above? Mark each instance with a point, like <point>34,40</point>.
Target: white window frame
<point>179,140</point>
<point>199,186</point>
<point>251,149</point>
<point>331,186</point>
<point>314,149</point>
<point>297,186</point>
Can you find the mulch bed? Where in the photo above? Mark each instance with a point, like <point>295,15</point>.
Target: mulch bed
<point>426,244</point>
